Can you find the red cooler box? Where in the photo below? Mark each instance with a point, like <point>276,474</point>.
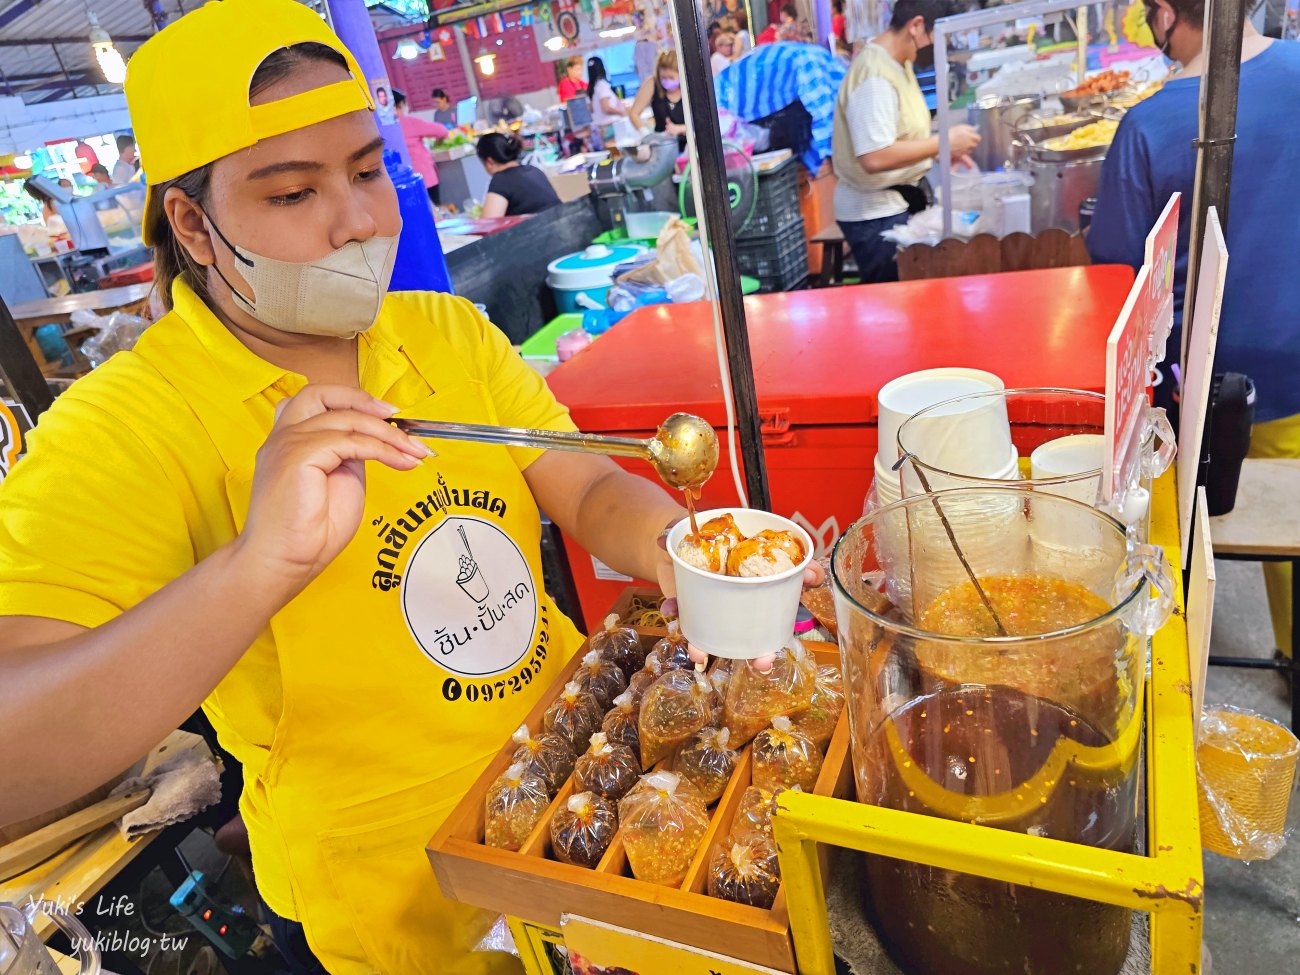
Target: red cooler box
<point>819,358</point>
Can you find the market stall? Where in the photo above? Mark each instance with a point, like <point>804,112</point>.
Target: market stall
<point>1046,112</point>
<point>910,731</point>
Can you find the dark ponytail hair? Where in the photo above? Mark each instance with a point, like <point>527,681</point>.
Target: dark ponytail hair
<point>501,149</point>
<point>170,258</point>
<point>595,73</point>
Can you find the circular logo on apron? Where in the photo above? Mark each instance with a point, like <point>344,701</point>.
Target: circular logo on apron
<point>469,598</point>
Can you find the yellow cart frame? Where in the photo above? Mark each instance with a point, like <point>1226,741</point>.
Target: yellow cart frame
<point>1167,882</point>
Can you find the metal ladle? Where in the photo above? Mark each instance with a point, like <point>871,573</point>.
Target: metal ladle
<point>684,450</point>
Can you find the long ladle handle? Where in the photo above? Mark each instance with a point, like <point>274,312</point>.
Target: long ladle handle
<point>952,538</point>
<point>524,437</point>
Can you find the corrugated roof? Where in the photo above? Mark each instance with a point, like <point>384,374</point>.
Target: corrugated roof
<point>37,72</point>
<point>32,31</point>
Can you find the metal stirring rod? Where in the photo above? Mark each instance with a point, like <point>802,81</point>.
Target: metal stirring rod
<point>684,451</point>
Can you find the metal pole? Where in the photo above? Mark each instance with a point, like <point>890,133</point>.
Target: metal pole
<point>711,177</point>
<point>1081,35</point>
<point>941,96</point>
<point>1220,78</point>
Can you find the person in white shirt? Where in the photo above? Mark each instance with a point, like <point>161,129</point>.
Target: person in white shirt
<point>606,108</point>
<point>744,39</point>
<point>882,145</point>
<point>724,49</point>
<point>126,165</point>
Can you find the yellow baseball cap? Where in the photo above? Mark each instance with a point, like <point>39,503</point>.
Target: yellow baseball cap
<point>187,86</point>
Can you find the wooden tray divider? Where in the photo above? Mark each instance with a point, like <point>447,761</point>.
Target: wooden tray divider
<point>614,862</point>
<point>719,826</point>
<point>538,843</point>
<point>474,872</point>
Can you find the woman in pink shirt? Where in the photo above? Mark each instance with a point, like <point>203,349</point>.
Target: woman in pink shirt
<point>415,131</point>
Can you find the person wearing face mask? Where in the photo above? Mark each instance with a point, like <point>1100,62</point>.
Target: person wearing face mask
<point>414,131</point>
<point>882,146</point>
<point>1152,157</point>
<point>223,516</point>
<point>664,99</point>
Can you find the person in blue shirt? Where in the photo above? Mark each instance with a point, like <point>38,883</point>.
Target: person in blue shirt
<point>1152,157</point>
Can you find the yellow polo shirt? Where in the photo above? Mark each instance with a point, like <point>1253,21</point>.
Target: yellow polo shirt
<point>123,490</point>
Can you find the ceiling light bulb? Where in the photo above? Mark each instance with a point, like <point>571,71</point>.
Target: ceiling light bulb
<point>407,50</point>
<point>486,64</point>
<point>109,58</point>
<point>554,44</point>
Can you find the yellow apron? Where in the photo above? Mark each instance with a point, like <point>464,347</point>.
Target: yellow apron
<point>405,665</point>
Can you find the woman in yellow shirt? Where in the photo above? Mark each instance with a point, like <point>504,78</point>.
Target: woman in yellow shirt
<point>223,517</point>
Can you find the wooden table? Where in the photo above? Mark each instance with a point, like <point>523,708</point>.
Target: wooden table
<point>76,874</point>
<point>1264,526</point>
<point>30,315</point>
<point>832,240</point>
<point>479,226</point>
<point>61,309</point>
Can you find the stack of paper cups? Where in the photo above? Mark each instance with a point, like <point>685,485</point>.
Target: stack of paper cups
<point>902,397</point>
<point>914,549</point>
<point>1076,460</point>
<point>951,442</point>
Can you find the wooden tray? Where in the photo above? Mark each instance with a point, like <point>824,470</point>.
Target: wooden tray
<point>531,886</point>
<point>627,598</point>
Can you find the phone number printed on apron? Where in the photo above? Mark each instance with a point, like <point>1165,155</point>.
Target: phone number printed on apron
<point>503,687</point>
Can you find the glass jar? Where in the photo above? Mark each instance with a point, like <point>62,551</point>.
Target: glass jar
<point>1035,729</point>
<point>945,444</point>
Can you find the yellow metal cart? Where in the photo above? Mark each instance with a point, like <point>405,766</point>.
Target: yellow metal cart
<point>1166,882</point>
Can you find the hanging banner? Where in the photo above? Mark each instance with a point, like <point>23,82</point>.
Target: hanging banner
<point>383,101</point>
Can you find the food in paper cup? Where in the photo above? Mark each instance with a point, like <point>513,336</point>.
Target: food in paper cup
<point>719,547</point>
<point>738,580</point>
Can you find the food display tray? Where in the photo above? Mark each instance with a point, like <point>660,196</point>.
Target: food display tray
<point>531,886</point>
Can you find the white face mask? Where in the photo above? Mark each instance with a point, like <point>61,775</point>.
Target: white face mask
<point>337,295</point>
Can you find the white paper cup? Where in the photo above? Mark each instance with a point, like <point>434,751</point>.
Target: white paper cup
<point>900,398</point>
<point>730,616</point>
<point>970,437</point>
<point>914,549</point>
<point>1068,457</point>
<point>938,481</point>
<point>1082,453</point>
<point>888,482</point>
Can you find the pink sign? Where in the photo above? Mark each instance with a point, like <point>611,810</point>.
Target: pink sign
<point>1161,253</point>
<point>1127,372</point>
